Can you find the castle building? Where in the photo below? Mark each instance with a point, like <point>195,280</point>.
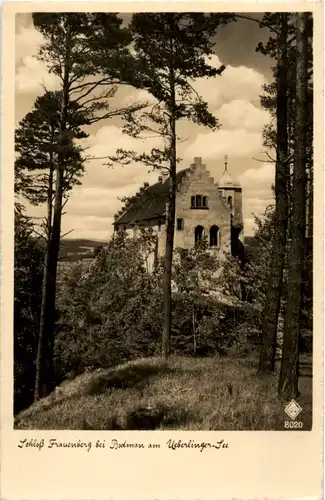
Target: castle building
<point>203,209</point>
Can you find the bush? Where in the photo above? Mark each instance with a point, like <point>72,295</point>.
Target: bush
<point>111,309</point>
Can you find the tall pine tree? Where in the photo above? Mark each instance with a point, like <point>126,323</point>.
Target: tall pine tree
<point>278,48</point>
<point>170,50</point>
<point>288,382</point>
<point>274,94</point>
<point>37,149</point>
<point>75,46</point>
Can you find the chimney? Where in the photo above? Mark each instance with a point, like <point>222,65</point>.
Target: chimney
<point>160,179</point>
<point>197,161</point>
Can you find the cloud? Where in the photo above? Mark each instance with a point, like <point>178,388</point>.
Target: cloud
<point>28,41</point>
<point>242,114</point>
<point>138,97</point>
<point>92,205</point>
<point>32,75</point>
<point>257,192</point>
<point>89,227</point>
<point>97,201</point>
<point>235,83</point>
<point>105,143</point>
<point>214,145</point>
<point>232,97</point>
<point>240,85</point>
<point>255,177</point>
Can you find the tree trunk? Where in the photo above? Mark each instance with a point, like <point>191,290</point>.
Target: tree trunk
<point>47,384</point>
<point>170,217</point>
<point>194,331</point>
<point>288,382</point>
<point>45,378</point>
<point>40,347</point>
<point>274,288</point>
<point>170,222</point>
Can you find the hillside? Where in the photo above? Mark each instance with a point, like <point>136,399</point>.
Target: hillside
<point>74,250</point>
<point>184,393</point>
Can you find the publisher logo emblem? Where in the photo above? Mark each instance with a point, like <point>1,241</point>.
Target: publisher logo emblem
<point>293,409</point>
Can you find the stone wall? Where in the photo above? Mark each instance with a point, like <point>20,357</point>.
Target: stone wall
<point>199,181</point>
<point>238,213</point>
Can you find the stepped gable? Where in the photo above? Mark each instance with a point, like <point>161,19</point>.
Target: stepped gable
<point>150,204</point>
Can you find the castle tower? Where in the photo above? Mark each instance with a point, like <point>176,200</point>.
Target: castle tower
<point>231,193</point>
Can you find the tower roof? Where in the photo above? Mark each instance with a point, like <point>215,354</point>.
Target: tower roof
<point>226,180</point>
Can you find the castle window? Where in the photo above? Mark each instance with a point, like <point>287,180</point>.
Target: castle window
<point>198,234</point>
<point>180,224</point>
<point>199,201</point>
<point>214,236</point>
<point>230,202</point>
<point>159,225</point>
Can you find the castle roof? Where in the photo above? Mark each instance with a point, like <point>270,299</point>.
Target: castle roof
<point>150,204</point>
<point>226,180</point>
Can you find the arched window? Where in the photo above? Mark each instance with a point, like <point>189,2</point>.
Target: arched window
<point>230,202</point>
<point>214,236</point>
<point>198,233</point>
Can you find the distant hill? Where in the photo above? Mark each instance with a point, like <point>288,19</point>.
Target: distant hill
<point>74,250</point>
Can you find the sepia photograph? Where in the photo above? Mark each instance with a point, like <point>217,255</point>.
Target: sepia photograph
<point>163,221</point>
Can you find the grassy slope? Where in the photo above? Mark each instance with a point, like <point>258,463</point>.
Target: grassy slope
<point>185,393</point>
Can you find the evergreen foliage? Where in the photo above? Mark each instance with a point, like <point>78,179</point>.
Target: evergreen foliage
<point>28,274</point>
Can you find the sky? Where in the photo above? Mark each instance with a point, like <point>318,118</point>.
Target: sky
<point>233,98</point>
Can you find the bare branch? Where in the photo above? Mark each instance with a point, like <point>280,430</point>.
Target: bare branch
<point>40,235</point>
<point>90,88</point>
<point>248,18</point>
<point>289,159</point>
<point>110,114</point>
<point>63,205</point>
<point>270,157</point>
<point>261,161</point>
<point>65,234</point>
<point>104,95</point>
